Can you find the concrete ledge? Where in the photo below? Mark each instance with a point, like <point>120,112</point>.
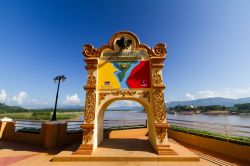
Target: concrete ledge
<point>236,151</point>
<point>52,135</point>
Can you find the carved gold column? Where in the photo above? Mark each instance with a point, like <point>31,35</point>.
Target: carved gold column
<point>158,56</point>
<point>86,147</point>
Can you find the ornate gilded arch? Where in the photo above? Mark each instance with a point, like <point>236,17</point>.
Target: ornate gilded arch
<point>124,68</point>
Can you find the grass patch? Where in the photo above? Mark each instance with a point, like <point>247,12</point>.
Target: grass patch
<point>38,115</point>
<point>20,115</point>
<point>41,115</point>
<point>68,115</point>
<point>234,139</point>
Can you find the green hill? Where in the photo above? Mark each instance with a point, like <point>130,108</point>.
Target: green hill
<point>11,109</point>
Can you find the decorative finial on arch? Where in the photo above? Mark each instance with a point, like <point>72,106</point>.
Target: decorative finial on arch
<point>122,34</point>
<point>160,50</point>
<point>89,51</point>
<point>123,43</point>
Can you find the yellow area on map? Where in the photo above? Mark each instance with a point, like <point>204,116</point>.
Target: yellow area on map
<point>106,76</point>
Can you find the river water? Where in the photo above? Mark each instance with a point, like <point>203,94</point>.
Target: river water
<point>122,116</point>
<point>224,119</point>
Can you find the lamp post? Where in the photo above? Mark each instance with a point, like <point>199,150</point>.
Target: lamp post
<point>57,79</point>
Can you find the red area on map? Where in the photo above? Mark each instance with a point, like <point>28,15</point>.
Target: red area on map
<point>140,76</point>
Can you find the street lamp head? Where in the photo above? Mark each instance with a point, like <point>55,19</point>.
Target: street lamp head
<point>56,78</point>
<point>61,77</point>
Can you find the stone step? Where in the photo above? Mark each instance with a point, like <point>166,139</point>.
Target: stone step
<point>125,158</point>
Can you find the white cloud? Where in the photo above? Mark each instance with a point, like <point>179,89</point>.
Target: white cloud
<point>3,95</point>
<point>233,93</point>
<point>121,103</point>
<point>34,102</point>
<point>20,97</point>
<point>190,96</point>
<point>209,94</point>
<point>73,99</point>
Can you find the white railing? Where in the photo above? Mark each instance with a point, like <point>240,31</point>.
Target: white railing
<point>225,129</point>
<point>28,126</point>
<point>74,126</point>
<point>125,123</point>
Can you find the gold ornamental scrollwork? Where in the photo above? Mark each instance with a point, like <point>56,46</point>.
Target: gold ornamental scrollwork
<point>87,135</point>
<point>161,134</point>
<point>159,105</point>
<point>90,106</point>
<point>102,96</point>
<point>145,94</point>
<point>124,93</point>
<point>91,79</point>
<point>156,78</point>
<point>89,51</point>
<point>160,50</point>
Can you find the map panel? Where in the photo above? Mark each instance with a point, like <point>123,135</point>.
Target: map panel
<point>123,74</point>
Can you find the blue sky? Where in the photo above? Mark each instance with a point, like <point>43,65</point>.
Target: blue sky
<point>208,45</point>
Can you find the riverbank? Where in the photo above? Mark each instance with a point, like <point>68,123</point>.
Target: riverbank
<point>240,119</point>
<point>208,113</point>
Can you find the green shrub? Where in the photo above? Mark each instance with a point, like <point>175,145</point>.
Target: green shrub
<point>61,116</point>
<point>38,115</point>
<point>210,134</point>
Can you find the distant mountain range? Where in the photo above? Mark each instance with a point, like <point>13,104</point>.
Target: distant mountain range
<point>199,102</point>
<point>210,101</point>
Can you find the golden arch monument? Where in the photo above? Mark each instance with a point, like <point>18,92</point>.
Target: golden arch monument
<point>124,69</point>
